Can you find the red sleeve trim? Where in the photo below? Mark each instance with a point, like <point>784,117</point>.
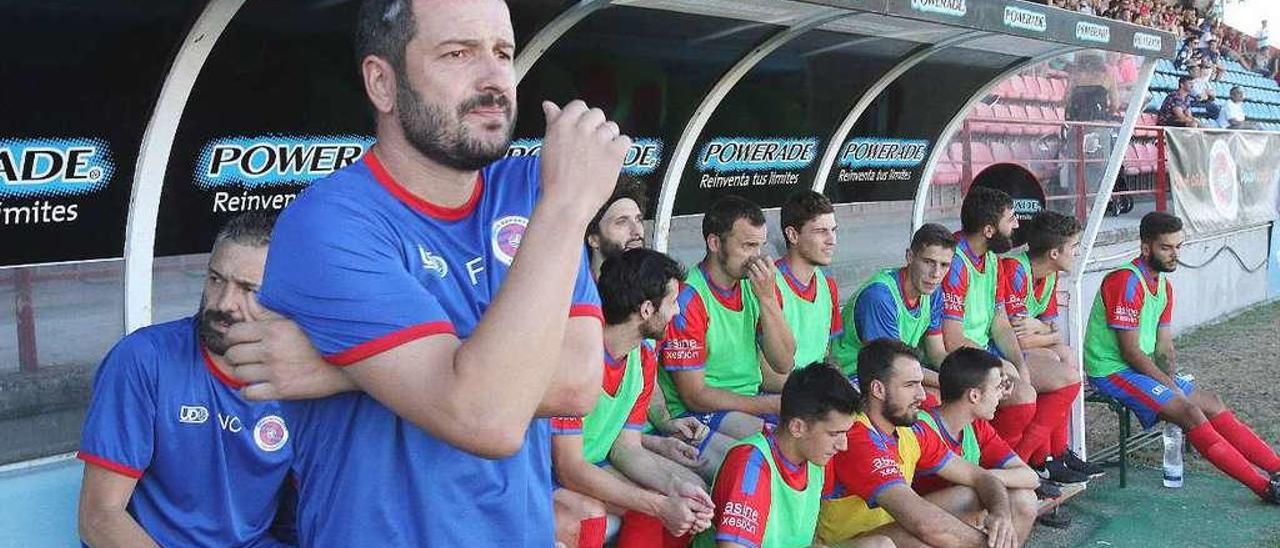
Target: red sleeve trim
<point>586,311</point>
<point>113,466</point>
<point>387,342</point>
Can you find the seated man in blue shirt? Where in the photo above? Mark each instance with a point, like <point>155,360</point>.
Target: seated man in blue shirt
<point>174,456</point>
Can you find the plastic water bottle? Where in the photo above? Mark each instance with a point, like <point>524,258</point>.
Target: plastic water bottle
<point>1172,456</point>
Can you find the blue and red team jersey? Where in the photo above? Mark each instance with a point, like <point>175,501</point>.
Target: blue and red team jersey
<point>684,348</point>
<point>614,370</point>
<point>876,312</point>
<point>809,293</point>
<point>1012,289</point>
<point>363,265</point>
<point>955,286</point>
<point>1123,293</point>
<point>210,466</point>
<point>872,462</point>
<point>742,492</point>
<point>995,452</point>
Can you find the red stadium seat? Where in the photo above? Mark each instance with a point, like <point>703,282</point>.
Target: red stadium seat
<point>981,157</point>
<point>1047,92</point>
<point>1018,114</point>
<point>1000,112</point>
<point>1018,88</point>
<point>1132,160</point>
<point>1059,89</point>
<point>981,110</point>
<point>1000,153</point>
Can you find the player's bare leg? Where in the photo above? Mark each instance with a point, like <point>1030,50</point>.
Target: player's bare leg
<point>571,510</point>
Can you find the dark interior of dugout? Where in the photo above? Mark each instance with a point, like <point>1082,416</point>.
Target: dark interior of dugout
<point>1018,183</point>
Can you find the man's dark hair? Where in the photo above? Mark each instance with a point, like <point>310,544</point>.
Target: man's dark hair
<point>875,361</point>
<point>1185,78</point>
<point>630,279</point>
<point>384,28</point>
<point>932,234</point>
<point>1048,231</point>
<point>983,206</point>
<point>814,391</point>
<point>628,188</point>
<point>963,369</point>
<point>251,229</point>
<point>724,212</point>
<point>801,207</point>
<point>1157,224</point>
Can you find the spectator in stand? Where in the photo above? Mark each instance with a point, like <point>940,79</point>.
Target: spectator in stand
<point>1212,64</point>
<point>1233,112</point>
<point>1185,53</point>
<point>1176,109</point>
<point>1263,36</point>
<point>1202,94</point>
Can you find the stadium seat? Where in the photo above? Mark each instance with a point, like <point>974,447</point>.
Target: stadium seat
<point>1000,153</point>
<point>981,111</point>
<point>1059,89</point>
<point>1018,88</point>
<point>1132,160</point>
<point>981,157</point>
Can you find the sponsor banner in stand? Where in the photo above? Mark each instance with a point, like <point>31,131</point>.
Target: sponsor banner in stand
<point>59,200</point>
<point>1223,180</point>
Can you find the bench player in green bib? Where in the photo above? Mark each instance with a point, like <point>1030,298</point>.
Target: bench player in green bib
<point>710,369</point>
<point>1129,355</point>
<point>971,389</point>
<point>1028,294</point>
<point>903,304</point>
<point>600,457</point>
<point>768,491</point>
<point>617,227</point>
<point>808,294</point>
<point>971,315</point>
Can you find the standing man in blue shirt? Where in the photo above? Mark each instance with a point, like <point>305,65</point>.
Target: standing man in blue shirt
<point>402,271</point>
<point>174,456</point>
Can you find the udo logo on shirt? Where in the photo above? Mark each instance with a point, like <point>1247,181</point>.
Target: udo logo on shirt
<point>270,433</point>
<point>506,235</point>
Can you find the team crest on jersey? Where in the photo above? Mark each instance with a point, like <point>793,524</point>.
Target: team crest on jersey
<point>507,233</point>
<point>270,433</point>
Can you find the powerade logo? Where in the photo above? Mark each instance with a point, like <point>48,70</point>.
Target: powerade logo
<point>946,7</point>
<point>729,154</point>
<point>54,168</point>
<point>1092,32</point>
<point>875,152</point>
<point>270,160</point>
<point>1019,18</point>
<point>1025,208</point>
<point>1149,42</point>
<point>642,158</point>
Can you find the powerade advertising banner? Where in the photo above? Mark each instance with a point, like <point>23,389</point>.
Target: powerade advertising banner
<point>1223,180</point>
<point>641,162</point>
<point>870,167</point>
<point>54,199</point>
<point>764,170</point>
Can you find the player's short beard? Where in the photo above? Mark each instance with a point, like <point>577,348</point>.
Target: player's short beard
<point>899,417</point>
<point>1000,243</point>
<point>608,249</point>
<point>447,141</point>
<point>650,331</point>
<point>213,340</point>
<point>1162,267</point>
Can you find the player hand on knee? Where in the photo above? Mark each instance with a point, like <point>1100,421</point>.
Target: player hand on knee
<point>689,429</point>
<point>581,157</point>
<point>679,451</point>
<point>1000,531</point>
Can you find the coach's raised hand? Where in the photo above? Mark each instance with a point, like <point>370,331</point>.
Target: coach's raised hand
<point>582,154</point>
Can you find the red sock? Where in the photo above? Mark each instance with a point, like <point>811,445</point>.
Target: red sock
<point>1011,421</point>
<point>591,532</point>
<point>1219,451</point>
<point>640,530</point>
<point>1052,409</point>
<point>1058,438</point>
<point>1246,441</point>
